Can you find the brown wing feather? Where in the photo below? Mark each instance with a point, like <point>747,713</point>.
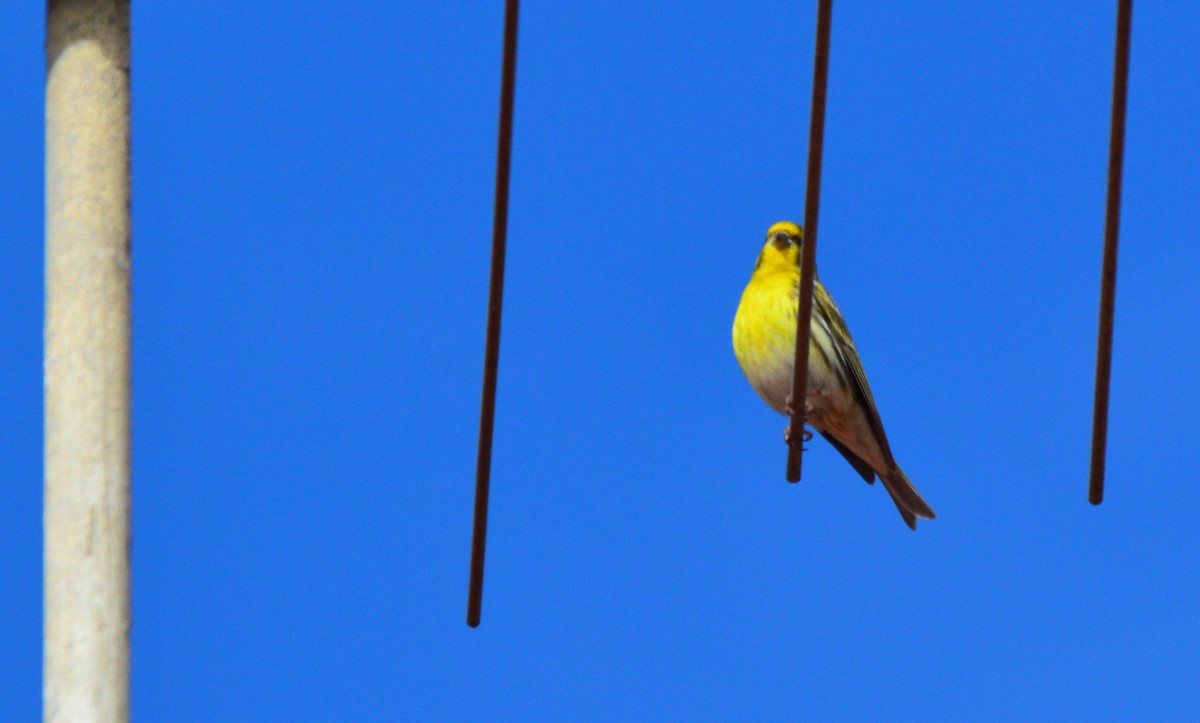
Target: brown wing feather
<point>864,470</point>
<point>843,345</point>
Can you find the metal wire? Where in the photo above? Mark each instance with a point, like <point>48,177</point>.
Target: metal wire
<point>491,354</point>
<point>812,202</point>
<point>1108,273</point>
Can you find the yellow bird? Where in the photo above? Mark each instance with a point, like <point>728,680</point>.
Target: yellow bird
<point>838,402</point>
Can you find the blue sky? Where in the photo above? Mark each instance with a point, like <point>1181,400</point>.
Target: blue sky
<point>312,216</point>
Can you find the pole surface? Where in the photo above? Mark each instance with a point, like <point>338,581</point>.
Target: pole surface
<point>808,251</point>
<point>1108,271</point>
<point>87,362</point>
<point>491,353</point>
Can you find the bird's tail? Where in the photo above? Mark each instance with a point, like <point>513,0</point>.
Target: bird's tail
<point>906,497</point>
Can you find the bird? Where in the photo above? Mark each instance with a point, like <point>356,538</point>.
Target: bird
<point>838,401</point>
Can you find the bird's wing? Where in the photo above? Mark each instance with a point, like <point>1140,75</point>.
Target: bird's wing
<point>858,463</point>
<point>825,312</point>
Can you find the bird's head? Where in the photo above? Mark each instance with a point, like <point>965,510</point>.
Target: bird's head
<point>781,253</point>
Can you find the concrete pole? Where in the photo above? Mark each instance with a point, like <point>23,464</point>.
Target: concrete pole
<point>87,371</point>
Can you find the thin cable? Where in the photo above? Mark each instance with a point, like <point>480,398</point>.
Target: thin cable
<point>491,354</point>
<point>1108,274</point>
<point>812,203</point>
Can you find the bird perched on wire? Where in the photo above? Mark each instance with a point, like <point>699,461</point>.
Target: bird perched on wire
<point>838,402</point>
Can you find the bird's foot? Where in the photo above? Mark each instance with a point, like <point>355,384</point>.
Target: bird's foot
<point>812,401</point>
<point>805,436</point>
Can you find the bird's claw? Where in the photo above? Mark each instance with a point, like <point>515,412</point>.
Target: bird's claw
<point>805,436</point>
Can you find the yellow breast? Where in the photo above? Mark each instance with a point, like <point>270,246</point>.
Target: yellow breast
<point>764,333</point>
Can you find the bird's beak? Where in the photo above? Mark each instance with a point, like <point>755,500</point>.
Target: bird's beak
<point>781,240</point>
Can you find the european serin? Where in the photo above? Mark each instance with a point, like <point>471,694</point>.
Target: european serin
<point>838,402</point>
